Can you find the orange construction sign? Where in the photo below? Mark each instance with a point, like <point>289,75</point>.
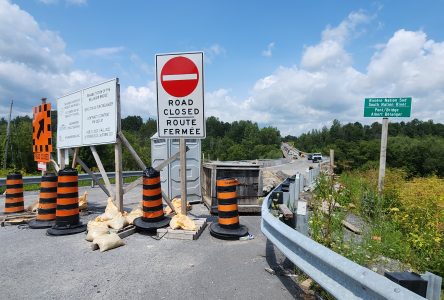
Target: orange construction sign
<point>41,129</point>
<point>42,156</point>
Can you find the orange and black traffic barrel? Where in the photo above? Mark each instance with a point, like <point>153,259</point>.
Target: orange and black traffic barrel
<point>227,227</point>
<point>67,210</point>
<point>14,194</point>
<point>153,215</point>
<point>46,213</point>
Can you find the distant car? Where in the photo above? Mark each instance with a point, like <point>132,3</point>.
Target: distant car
<point>310,156</point>
<point>316,157</point>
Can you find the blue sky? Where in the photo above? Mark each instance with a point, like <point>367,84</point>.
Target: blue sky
<point>295,65</point>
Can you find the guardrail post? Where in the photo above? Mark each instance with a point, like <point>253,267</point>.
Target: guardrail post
<point>297,187</point>
<point>301,183</point>
<point>286,196</point>
<point>292,193</point>
<point>434,283</point>
<point>302,217</point>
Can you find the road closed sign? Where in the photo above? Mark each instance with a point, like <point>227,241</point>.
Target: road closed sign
<point>180,95</point>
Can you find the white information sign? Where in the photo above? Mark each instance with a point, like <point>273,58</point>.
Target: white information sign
<point>41,166</point>
<point>180,95</point>
<point>88,117</point>
<point>69,120</point>
<point>99,117</point>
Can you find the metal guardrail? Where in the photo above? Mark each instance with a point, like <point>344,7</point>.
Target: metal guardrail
<point>338,275</point>
<point>37,179</point>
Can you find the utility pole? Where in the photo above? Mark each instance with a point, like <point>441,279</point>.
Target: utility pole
<point>7,137</point>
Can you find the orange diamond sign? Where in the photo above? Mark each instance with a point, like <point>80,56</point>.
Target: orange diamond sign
<point>41,129</point>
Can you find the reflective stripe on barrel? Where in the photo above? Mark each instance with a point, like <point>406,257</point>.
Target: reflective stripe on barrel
<point>227,203</point>
<point>14,194</point>
<point>67,209</point>
<point>48,198</point>
<point>152,196</point>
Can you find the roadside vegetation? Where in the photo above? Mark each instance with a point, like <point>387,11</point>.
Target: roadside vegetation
<point>405,225</point>
<point>225,141</point>
<point>417,147</point>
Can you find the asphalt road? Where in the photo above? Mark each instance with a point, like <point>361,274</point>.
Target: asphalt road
<point>36,266</point>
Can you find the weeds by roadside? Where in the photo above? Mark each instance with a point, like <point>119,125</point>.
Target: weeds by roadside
<point>406,224</point>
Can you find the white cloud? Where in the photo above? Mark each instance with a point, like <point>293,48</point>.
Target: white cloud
<point>48,2</point>
<point>102,52</point>
<point>141,64</point>
<point>213,51</point>
<point>69,2</point>
<point>330,52</point>
<point>33,61</point>
<point>269,51</point>
<point>140,101</point>
<point>77,2</point>
<point>326,86</point>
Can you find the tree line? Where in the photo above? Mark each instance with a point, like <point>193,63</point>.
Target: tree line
<point>225,141</point>
<point>415,146</point>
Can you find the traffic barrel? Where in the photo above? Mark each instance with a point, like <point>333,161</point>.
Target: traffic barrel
<point>228,226</point>
<point>153,215</point>
<point>14,194</point>
<point>46,213</point>
<point>67,219</point>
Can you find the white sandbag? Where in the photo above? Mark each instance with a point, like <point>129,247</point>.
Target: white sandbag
<point>134,214</point>
<point>93,224</point>
<point>108,241</point>
<point>110,211</point>
<point>95,232</point>
<point>118,222</point>
<point>182,221</point>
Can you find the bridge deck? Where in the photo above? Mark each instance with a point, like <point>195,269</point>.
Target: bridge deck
<point>36,266</point>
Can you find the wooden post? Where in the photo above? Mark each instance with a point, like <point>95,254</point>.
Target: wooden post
<point>102,170</point>
<point>94,178</point>
<point>118,155</point>
<point>183,175</point>
<point>332,160</point>
<point>61,158</point>
<point>382,157</point>
<point>54,163</point>
<point>132,151</point>
<point>119,175</point>
<point>74,157</point>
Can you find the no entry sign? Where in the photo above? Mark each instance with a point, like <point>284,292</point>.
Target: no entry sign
<point>180,95</point>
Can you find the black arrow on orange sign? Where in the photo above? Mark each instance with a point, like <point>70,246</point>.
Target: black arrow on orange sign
<point>41,128</point>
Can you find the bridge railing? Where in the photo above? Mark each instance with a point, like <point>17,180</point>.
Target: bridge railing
<point>37,179</point>
<point>341,277</point>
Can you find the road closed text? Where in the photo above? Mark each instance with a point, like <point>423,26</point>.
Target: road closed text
<point>181,118</point>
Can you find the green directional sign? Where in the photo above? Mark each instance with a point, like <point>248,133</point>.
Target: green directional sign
<point>388,107</point>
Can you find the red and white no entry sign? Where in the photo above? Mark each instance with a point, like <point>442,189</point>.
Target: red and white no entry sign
<point>180,95</point>
<point>179,76</point>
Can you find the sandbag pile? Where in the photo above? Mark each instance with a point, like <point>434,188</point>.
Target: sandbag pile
<point>99,228</point>
<point>177,203</point>
<point>180,221</point>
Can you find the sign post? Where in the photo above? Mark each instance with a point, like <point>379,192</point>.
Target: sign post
<point>385,108</point>
<point>180,104</point>
<point>382,156</point>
